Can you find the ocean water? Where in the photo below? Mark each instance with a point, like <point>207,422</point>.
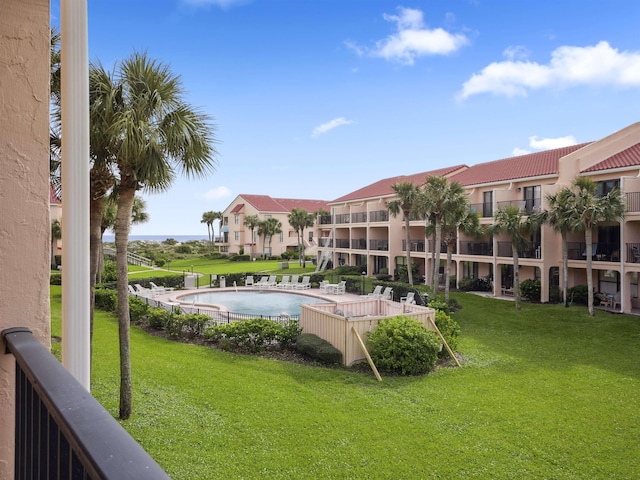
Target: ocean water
<point>157,238</point>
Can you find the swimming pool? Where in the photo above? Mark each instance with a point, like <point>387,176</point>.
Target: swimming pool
<point>253,302</point>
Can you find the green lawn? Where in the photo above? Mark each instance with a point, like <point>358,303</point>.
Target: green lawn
<point>546,392</point>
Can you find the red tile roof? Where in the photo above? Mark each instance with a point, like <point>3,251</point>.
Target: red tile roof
<point>383,187</point>
<point>524,166</point>
<point>53,196</point>
<point>626,158</point>
<point>237,208</point>
<point>265,203</point>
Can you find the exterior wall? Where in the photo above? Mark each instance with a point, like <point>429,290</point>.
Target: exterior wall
<point>24,190</point>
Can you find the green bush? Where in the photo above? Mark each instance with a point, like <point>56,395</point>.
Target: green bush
<point>530,289</point>
<point>109,274</point>
<point>55,278</point>
<point>402,345</point>
<point>157,317</point>
<point>315,347</point>
<point>350,270</point>
<point>184,249</point>
<point>106,300</point>
<point>468,284</point>
<point>138,309</point>
<point>578,294</point>
<point>449,329</point>
<point>160,262</point>
<point>195,323</point>
<point>403,273</point>
<point>439,303</point>
<point>252,335</point>
<point>240,258</point>
<point>288,333</point>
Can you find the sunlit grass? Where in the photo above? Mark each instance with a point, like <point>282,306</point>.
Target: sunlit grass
<point>546,392</point>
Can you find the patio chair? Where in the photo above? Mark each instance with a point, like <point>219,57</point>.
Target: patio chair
<point>284,283</point>
<point>263,282</point>
<point>294,281</point>
<point>304,283</point>
<point>376,292</point>
<point>248,282</point>
<point>132,291</point>
<point>272,281</point>
<point>160,289</point>
<point>616,301</point>
<point>145,292</point>
<point>340,288</point>
<point>387,293</point>
<point>324,286</point>
<point>409,299</point>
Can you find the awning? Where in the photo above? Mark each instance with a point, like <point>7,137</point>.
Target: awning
<point>237,208</point>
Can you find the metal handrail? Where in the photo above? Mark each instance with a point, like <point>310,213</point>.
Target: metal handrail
<point>61,431</point>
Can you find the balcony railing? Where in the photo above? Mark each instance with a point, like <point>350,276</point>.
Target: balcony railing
<point>527,206</point>
<point>359,243</point>
<point>61,431</point>
<point>379,216</point>
<point>600,252</point>
<point>443,246</point>
<point>532,250</point>
<point>414,245</point>
<point>379,245</point>
<point>359,217</point>
<point>476,248</point>
<point>485,209</point>
<point>343,218</point>
<point>324,220</point>
<point>633,253</point>
<point>342,243</point>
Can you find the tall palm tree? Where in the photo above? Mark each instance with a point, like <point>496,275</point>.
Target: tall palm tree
<point>153,136</point>
<point>252,222</point>
<point>208,218</point>
<point>56,234</point>
<point>438,197</point>
<point>461,219</point>
<point>219,217</point>
<point>268,228</point>
<point>558,215</point>
<point>511,220</point>
<point>300,219</point>
<point>590,211</point>
<point>408,194</point>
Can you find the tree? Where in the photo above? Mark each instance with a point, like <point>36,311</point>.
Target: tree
<point>218,216</point>
<point>153,135</point>
<point>208,218</point>
<point>588,212</point>
<point>56,234</point>
<point>268,228</point>
<point>300,219</point>
<point>457,219</point>
<point>252,222</point>
<point>561,208</point>
<point>408,194</point>
<point>511,221</point>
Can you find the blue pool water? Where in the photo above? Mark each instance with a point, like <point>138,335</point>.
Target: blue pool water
<point>254,302</point>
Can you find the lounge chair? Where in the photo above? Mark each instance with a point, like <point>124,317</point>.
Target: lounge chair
<point>284,283</point>
<point>387,294</point>
<point>248,282</point>
<point>160,289</point>
<point>304,283</point>
<point>132,291</point>
<point>272,282</point>
<point>145,292</point>
<point>376,292</point>
<point>294,281</point>
<point>263,282</point>
<point>409,299</point>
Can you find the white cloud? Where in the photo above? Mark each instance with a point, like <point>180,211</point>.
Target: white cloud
<point>551,143</point>
<point>217,193</point>
<point>412,39</point>
<point>519,151</point>
<point>569,66</point>
<point>325,127</point>
<point>224,4</point>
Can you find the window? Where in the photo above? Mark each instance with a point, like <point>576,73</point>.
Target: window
<point>605,187</point>
<point>487,204</point>
<point>236,236</point>
<point>532,198</point>
<point>311,236</point>
<point>225,221</point>
<point>281,237</point>
<point>267,217</point>
<point>236,219</point>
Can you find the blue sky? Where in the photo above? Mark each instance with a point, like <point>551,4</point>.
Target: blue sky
<point>317,98</point>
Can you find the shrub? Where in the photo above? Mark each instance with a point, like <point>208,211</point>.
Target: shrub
<point>404,346</point>
<point>468,284</point>
<point>55,279</point>
<point>240,258</point>
<point>252,335</point>
<point>531,290</point>
<point>106,300</point>
<point>403,273</point>
<point>137,309</point>
<point>157,317</point>
<point>350,270</point>
<point>184,249</point>
<point>578,294</point>
<point>194,323</point>
<point>315,347</point>
<point>109,273</point>
<point>160,262</point>
<point>449,329</point>
<point>288,333</point>
<point>439,303</point>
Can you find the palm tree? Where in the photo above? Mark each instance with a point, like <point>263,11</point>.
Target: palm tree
<point>218,216</point>
<point>268,228</point>
<point>252,222</point>
<point>408,194</point>
<point>588,212</point>
<point>56,234</point>
<point>300,219</point>
<point>438,197</point>
<point>208,218</point>
<point>511,221</point>
<point>461,219</point>
<point>559,217</point>
<point>153,136</point>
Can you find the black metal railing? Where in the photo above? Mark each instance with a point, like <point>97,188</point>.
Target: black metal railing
<point>443,246</point>
<point>600,252</point>
<point>476,248</point>
<point>61,431</point>
<point>359,243</point>
<point>359,217</point>
<point>633,253</point>
<point>414,245</point>
<point>342,243</point>
<point>342,218</point>
<point>632,201</point>
<point>485,209</point>
<point>379,245</point>
<point>324,220</point>
<point>379,216</point>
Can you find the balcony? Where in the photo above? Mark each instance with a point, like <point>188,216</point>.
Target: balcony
<point>414,245</point>
<point>600,252</point>
<point>527,206</point>
<point>485,209</point>
<point>533,250</point>
<point>379,245</point>
<point>324,220</point>
<point>379,216</point>
<point>343,218</point>
<point>476,248</point>
<point>342,243</point>
<point>359,243</point>
<point>633,253</point>
<point>61,431</point>
<point>443,246</point>
<point>359,217</point>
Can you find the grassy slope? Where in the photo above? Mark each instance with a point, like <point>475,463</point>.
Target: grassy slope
<point>545,393</point>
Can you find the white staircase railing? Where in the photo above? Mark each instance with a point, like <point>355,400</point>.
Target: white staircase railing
<point>132,258</point>
<point>325,256</point>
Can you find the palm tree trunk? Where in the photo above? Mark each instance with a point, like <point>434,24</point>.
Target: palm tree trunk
<point>516,276</point>
<point>447,271</point>
<point>436,262</point>
<point>408,240</point>
<point>588,238</point>
<point>123,221</point>
<point>565,268</point>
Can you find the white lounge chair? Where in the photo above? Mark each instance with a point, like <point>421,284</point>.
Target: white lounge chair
<point>272,282</point>
<point>284,283</point>
<point>294,281</point>
<point>340,288</point>
<point>160,289</point>
<point>145,292</point>
<point>263,282</point>
<point>132,291</point>
<point>304,283</point>
<point>248,282</point>
<point>376,292</point>
<point>409,299</point>
<point>387,293</point>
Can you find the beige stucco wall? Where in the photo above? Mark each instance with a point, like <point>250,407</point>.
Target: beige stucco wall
<point>24,190</point>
